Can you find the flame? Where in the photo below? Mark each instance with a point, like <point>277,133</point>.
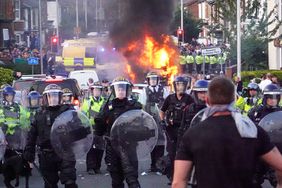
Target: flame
<point>148,54</point>
<point>130,72</point>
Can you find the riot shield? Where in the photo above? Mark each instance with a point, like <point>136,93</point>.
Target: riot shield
<point>15,137</point>
<point>3,144</point>
<point>71,135</point>
<point>271,123</point>
<point>197,118</point>
<point>134,132</point>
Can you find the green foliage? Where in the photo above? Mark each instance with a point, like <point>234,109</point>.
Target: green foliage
<point>248,75</point>
<point>6,76</point>
<point>254,53</point>
<point>192,26</point>
<point>255,34</point>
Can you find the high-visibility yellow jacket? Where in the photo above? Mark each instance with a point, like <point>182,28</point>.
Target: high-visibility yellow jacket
<point>91,107</point>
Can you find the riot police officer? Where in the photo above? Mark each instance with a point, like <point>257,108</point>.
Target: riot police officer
<point>252,99</point>
<point>67,97</point>
<point>12,114</point>
<point>34,103</point>
<point>155,97</point>
<point>91,107</point>
<point>171,113</point>
<point>199,92</point>
<point>270,103</point>
<point>118,163</point>
<point>39,134</point>
<point>13,121</point>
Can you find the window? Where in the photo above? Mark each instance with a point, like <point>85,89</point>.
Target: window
<point>18,38</point>
<point>17,9</point>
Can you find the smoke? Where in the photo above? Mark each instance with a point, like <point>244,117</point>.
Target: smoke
<point>140,17</point>
<point>137,19</point>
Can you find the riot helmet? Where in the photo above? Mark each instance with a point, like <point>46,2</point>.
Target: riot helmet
<point>180,84</point>
<point>271,95</point>
<point>52,95</point>
<point>96,89</point>
<point>153,79</point>
<point>34,99</point>
<point>200,90</point>
<point>9,95</point>
<point>121,88</point>
<point>1,91</point>
<point>67,96</point>
<point>253,89</point>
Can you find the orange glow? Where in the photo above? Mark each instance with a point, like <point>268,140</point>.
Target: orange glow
<point>149,54</point>
<point>130,72</point>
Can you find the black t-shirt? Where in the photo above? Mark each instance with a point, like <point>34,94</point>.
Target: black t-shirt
<point>222,158</point>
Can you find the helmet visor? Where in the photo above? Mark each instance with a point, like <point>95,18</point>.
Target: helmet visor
<point>121,90</point>
<point>53,98</point>
<point>97,92</point>
<point>34,102</point>
<point>272,100</point>
<point>180,87</point>
<point>153,81</point>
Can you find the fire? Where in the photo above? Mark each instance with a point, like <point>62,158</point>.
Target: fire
<point>130,72</point>
<point>149,54</point>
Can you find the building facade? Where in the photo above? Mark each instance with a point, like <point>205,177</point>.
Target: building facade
<point>275,53</point>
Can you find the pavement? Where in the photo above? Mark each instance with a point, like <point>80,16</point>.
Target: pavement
<point>84,180</point>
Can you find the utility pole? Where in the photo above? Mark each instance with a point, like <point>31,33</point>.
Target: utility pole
<point>181,24</point>
<point>57,31</point>
<point>96,15</point>
<point>76,11</point>
<point>86,14</point>
<point>238,39</point>
<point>40,37</point>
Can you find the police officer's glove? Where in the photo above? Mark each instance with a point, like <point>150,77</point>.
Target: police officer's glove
<point>163,124</point>
<point>29,155</point>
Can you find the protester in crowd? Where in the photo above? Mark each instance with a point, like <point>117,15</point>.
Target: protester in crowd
<point>265,81</point>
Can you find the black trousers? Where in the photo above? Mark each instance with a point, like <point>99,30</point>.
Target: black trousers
<point>190,68</point>
<point>156,154</point>
<point>122,165</point>
<point>94,159</point>
<point>50,165</point>
<point>172,132</point>
<point>199,68</point>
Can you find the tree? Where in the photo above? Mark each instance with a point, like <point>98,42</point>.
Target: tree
<point>255,34</point>
<point>192,27</point>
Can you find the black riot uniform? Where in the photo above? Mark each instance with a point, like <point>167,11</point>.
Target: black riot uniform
<point>155,98</point>
<point>120,165</point>
<point>39,134</point>
<point>256,114</point>
<point>173,108</point>
<point>194,108</point>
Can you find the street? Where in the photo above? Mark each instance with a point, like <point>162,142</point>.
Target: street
<point>102,181</point>
<point>98,181</point>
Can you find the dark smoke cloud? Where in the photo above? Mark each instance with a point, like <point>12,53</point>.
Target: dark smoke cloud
<point>140,17</point>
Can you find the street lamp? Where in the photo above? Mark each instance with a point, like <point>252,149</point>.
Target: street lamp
<point>238,39</point>
<point>181,24</point>
<point>40,37</point>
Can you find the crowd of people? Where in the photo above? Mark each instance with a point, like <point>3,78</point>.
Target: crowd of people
<point>224,144</point>
<point>18,53</point>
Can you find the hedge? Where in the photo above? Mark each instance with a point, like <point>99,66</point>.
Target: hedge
<point>246,76</point>
<point>6,76</point>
